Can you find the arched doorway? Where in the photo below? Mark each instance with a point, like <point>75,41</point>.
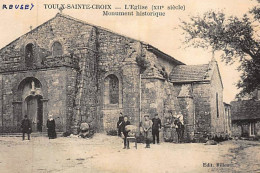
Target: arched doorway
<point>33,108</point>
<point>30,91</point>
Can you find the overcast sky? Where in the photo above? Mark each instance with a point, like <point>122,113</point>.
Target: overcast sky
<point>161,32</point>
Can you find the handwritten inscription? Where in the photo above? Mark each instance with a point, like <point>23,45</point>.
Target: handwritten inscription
<point>17,6</point>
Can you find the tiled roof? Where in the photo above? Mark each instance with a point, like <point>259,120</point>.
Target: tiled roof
<point>186,73</point>
<point>245,109</point>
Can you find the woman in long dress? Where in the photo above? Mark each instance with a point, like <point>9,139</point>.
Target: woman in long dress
<point>51,127</point>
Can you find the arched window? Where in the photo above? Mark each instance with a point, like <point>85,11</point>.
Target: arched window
<point>111,91</point>
<point>29,55</point>
<point>57,49</point>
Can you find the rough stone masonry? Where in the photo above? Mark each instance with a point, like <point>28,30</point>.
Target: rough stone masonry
<point>83,73</point>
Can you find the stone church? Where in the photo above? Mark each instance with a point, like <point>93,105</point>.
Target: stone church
<point>79,72</point>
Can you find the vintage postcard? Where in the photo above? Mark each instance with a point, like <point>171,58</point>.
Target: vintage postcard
<point>129,86</point>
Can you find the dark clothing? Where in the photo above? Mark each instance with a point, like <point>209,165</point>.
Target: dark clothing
<point>156,123</point>
<point>125,132</point>
<point>51,129</point>
<point>123,125</point>
<point>180,131</point>
<point>26,127</point>
<point>155,133</point>
<point>126,143</point>
<point>155,128</point>
<point>119,123</point>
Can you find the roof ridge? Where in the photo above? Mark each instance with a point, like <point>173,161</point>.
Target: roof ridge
<point>192,65</point>
<point>100,27</point>
<point>96,26</point>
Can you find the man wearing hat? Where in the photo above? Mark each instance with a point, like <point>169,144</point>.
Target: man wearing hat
<point>147,127</point>
<point>26,127</point>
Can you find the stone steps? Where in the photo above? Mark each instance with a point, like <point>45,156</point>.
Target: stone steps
<point>34,134</point>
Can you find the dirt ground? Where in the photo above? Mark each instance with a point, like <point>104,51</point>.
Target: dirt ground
<point>104,153</point>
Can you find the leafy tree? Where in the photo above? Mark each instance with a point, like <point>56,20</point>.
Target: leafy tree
<point>236,37</point>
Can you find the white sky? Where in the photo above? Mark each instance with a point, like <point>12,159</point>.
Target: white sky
<point>162,32</point>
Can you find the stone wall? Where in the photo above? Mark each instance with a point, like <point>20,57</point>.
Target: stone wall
<point>117,56</point>
<point>86,82</point>
<point>12,57</point>
<point>186,103</point>
<point>54,97</point>
<point>217,109</point>
<point>49,68</point>
<point>202,97</point>
<point>8,118</point>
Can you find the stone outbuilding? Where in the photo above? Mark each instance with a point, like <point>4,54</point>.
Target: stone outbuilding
<point>245,115</point>
<point>84,73</point>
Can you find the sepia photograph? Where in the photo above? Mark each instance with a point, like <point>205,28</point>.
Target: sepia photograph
<point>130,86</point>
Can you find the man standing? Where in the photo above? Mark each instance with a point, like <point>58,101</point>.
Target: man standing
<point>124,132</point>
<point>147,126</point>
<point>180,127</point>
<point>26,127</point>
<point>157,125</point>
<point>119,123</point>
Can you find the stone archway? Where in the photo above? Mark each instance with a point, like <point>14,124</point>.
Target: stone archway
<point>31,102</point>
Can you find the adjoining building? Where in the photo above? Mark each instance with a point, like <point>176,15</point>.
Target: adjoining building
<point>246,117</point>
<point>84,73</point>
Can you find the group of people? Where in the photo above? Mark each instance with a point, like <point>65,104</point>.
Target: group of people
<point>150,128</point>
<point>26,127</point>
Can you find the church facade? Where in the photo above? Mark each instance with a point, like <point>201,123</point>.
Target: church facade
<point>79,72</point>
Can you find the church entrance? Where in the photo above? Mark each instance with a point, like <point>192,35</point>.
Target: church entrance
<point>30,91</point>
<point>34,110</point>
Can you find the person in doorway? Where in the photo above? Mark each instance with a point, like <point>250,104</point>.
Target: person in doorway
<point>26,127</point>
<point>119,123</point>
<point>51,127</point>
<point>147,127</point>
<point>124,132</point>
<point>156,127</point>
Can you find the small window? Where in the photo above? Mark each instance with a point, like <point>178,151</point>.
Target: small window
<point>111,90</point>
<point>57,49</point>
<point>29,55</point>
<point>217,105</point>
